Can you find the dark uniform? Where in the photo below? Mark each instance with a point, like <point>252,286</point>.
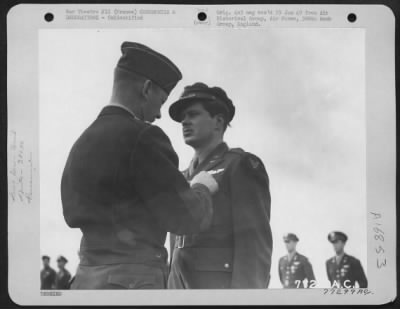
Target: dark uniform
<point>235,252</point>
<point>293,272</point>
<point>47,276</point>
<point>121,186</point>
<point>348,271</point>
<point>63,277</point>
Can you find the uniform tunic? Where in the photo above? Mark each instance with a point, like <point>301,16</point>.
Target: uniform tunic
<point>235,252</point>
<point>346,273</point>
<point>293,272</point>
<point>121,186</point>
<point>62,279</point>
<point>47,278</point>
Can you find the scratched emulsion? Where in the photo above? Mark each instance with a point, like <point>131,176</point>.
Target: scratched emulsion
<point>19,170</point>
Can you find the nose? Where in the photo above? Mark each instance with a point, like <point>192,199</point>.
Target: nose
<point>185,120</point>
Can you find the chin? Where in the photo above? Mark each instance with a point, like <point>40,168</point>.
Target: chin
<point>190,141</point>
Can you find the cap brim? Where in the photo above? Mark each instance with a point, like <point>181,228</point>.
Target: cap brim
<point>176,108</point>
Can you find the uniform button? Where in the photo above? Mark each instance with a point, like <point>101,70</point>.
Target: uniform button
<point>158,255</point>
<point>226,265</point>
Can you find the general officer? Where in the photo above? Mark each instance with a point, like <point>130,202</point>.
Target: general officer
<point>294,268</point>
<point>235,252</point>
<point>63,276</point>
<point>344,270</point>
<point>121,184</point>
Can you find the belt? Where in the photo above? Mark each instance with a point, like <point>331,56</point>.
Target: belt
<point>104,256</point>
<point>195,241</point>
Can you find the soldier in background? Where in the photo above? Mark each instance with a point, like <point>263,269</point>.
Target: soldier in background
<point>63,276</point>
<point>235,252</point>
<point>294,268</point>
<point>344,270</point>
<point>47,275</point>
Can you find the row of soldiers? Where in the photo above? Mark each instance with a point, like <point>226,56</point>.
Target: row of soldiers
<point>343,270</point>
<point>50,279</point>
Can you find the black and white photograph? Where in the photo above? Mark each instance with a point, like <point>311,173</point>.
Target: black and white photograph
<point>271,122</point>
<point>203,158</point>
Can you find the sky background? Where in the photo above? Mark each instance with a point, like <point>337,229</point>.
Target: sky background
<point>300,106</point>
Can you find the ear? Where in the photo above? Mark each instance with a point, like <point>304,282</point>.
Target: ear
<point>220,121</point>
<point>146,88</point>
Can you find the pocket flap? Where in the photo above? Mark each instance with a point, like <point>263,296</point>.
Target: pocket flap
<point>141,281</point>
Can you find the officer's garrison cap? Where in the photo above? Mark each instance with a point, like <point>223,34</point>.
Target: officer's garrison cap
<point>62,258</point>
<point>139,59</point>
<point>290,236</point>
<point>336,235</point>
<point>201,92</point>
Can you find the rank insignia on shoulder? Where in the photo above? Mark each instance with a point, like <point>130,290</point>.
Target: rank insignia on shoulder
<point>213,172</point>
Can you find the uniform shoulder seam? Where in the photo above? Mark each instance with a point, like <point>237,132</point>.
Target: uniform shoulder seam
<point>238,151</point>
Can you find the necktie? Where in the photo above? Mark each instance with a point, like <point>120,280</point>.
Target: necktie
<point>193,166</point>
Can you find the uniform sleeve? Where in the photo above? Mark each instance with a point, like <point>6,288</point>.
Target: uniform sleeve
<point>251,203</point>
<point>327,272</point>
<point>360,275</point>
<point>308,270</point>
<point>154,169</point>
<point>279,271</point>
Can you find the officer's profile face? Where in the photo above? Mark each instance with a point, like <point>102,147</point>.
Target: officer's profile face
<point>198,126</point>
<point>338,246</point>
<point>155,97</point>
<point>290,245</point>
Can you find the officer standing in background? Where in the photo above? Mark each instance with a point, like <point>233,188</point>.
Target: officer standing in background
<point>235,252</point>
<point>121,184</point>
<point>344,270</point>
<point>294,268</point>
<point>47,274</point>
<point>63,276</point>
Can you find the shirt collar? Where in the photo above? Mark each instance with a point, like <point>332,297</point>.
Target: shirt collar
<point>338,258</point>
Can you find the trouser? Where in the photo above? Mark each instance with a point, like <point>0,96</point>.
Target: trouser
<point>120,276</point>
<point>201,268</point>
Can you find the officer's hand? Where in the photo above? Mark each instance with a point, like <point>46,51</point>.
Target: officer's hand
<point>206,179</point>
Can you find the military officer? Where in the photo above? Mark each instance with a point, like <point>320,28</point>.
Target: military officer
<point>235,252</point>
<point>47,274</point>
<point>63,276</point>
<point>121,184</point>
<point>344,270</point>
<point>294,268</point>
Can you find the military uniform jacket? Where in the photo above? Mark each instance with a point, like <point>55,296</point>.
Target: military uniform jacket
<point>121,186</point>
<point>346,273</point>
<point>293,272</point>
<point>62,280</point>
<point>47,278</point>
<point>235,252</point>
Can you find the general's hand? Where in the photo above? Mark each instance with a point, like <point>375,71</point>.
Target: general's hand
<point>206,179</point>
